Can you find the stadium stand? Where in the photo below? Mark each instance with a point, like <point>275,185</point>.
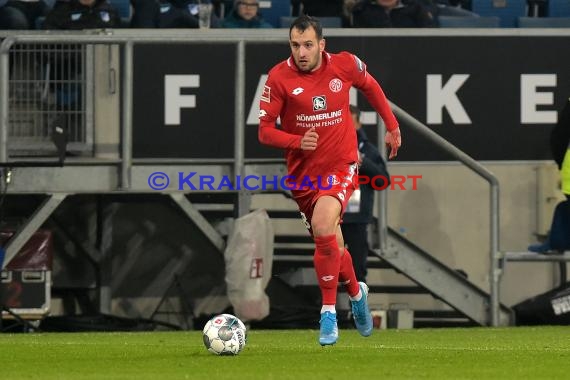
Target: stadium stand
<point>558,8</point>
<point>543,22</point>
<point>272,11</point>
<point>469,22</point>
<point>450,10</point>
<point>124,8</point>
<point>507,11</point>
<point>326,22</point>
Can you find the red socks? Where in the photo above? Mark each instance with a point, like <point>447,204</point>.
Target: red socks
<point>331,268</point>
<point>347,276</point>
<point>327,265</point>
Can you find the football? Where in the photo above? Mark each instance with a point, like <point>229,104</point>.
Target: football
<point>224,334</point>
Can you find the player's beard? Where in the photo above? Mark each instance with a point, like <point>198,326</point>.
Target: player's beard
<point>307,66</point>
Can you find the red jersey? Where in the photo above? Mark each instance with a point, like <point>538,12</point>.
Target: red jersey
<point>319,99</point>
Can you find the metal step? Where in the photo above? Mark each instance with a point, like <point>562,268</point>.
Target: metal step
<point>533,256</point>
<point>441,281</point>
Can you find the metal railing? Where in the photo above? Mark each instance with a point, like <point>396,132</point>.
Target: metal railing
<point>480,170</point>
<point>48,82</point>
<point>125,41</point>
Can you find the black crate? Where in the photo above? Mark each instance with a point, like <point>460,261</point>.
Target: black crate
<point>26,293</point>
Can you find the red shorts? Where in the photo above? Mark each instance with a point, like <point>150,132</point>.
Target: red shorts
<point>339,184</point>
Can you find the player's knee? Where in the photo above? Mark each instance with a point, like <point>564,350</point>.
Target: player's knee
<point>322,226</point>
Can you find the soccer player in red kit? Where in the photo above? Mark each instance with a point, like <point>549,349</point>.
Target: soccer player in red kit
<point>310,93</point>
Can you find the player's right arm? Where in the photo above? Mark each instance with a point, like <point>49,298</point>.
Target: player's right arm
<point>271,104</point>
<point>268,134</point>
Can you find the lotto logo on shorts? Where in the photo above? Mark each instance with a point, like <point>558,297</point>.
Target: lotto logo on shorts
<point>319,103</point>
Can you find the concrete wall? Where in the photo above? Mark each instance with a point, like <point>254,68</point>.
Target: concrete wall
<point>448,215</point>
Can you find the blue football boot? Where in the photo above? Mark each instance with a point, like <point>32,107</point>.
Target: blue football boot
<point>329,329</point>
<point>361,313</point>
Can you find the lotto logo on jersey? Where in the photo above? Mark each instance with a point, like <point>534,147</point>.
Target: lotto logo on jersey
<point>297,91</point>
<point>319,103</point>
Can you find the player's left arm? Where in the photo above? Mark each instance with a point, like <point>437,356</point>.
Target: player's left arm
<point>377,99</point>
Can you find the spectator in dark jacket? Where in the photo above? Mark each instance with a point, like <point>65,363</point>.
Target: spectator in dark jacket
<point>358,213</point>
<point>245,14</point>
<point>21,14</point>
<point>145,14</point>
<point>82,14</point>
<point>392,14</point>
<point>181,14</point>
<point>319,8</point>
<point>324,8</point>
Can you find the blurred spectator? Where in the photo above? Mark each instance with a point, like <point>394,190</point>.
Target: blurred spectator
<point>82,14</point>
<point>245,14</point>
<point>392,14</point>
<point>145,14</point>
<point>21,14</point>
<point>181,14</point>
<point>359,212</point>
<point>325,8</point>
<point>318,8</point>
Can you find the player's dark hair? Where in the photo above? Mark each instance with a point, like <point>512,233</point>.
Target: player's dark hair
<point>305,22</point>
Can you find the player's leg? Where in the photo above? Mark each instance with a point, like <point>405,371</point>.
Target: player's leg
<point>357,293</point>
<point>324,224</point>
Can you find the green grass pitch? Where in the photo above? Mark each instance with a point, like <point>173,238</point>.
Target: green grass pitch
<point>469,353</point>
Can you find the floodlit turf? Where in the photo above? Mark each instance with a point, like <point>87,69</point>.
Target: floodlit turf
<point>471,353</point>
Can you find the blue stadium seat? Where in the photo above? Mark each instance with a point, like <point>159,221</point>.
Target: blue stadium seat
<point>507,10</point>
<point>450,10</point>
<point>272,11</point>
<point>544,22</point>
<point>558,8</point>
<point>124,9</point>
<point>326,22</point>
<point>49,3</point>
<point>469,22</point>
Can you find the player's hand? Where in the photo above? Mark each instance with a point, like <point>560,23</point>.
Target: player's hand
<point>394,140</point>
<point>309,140</point>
